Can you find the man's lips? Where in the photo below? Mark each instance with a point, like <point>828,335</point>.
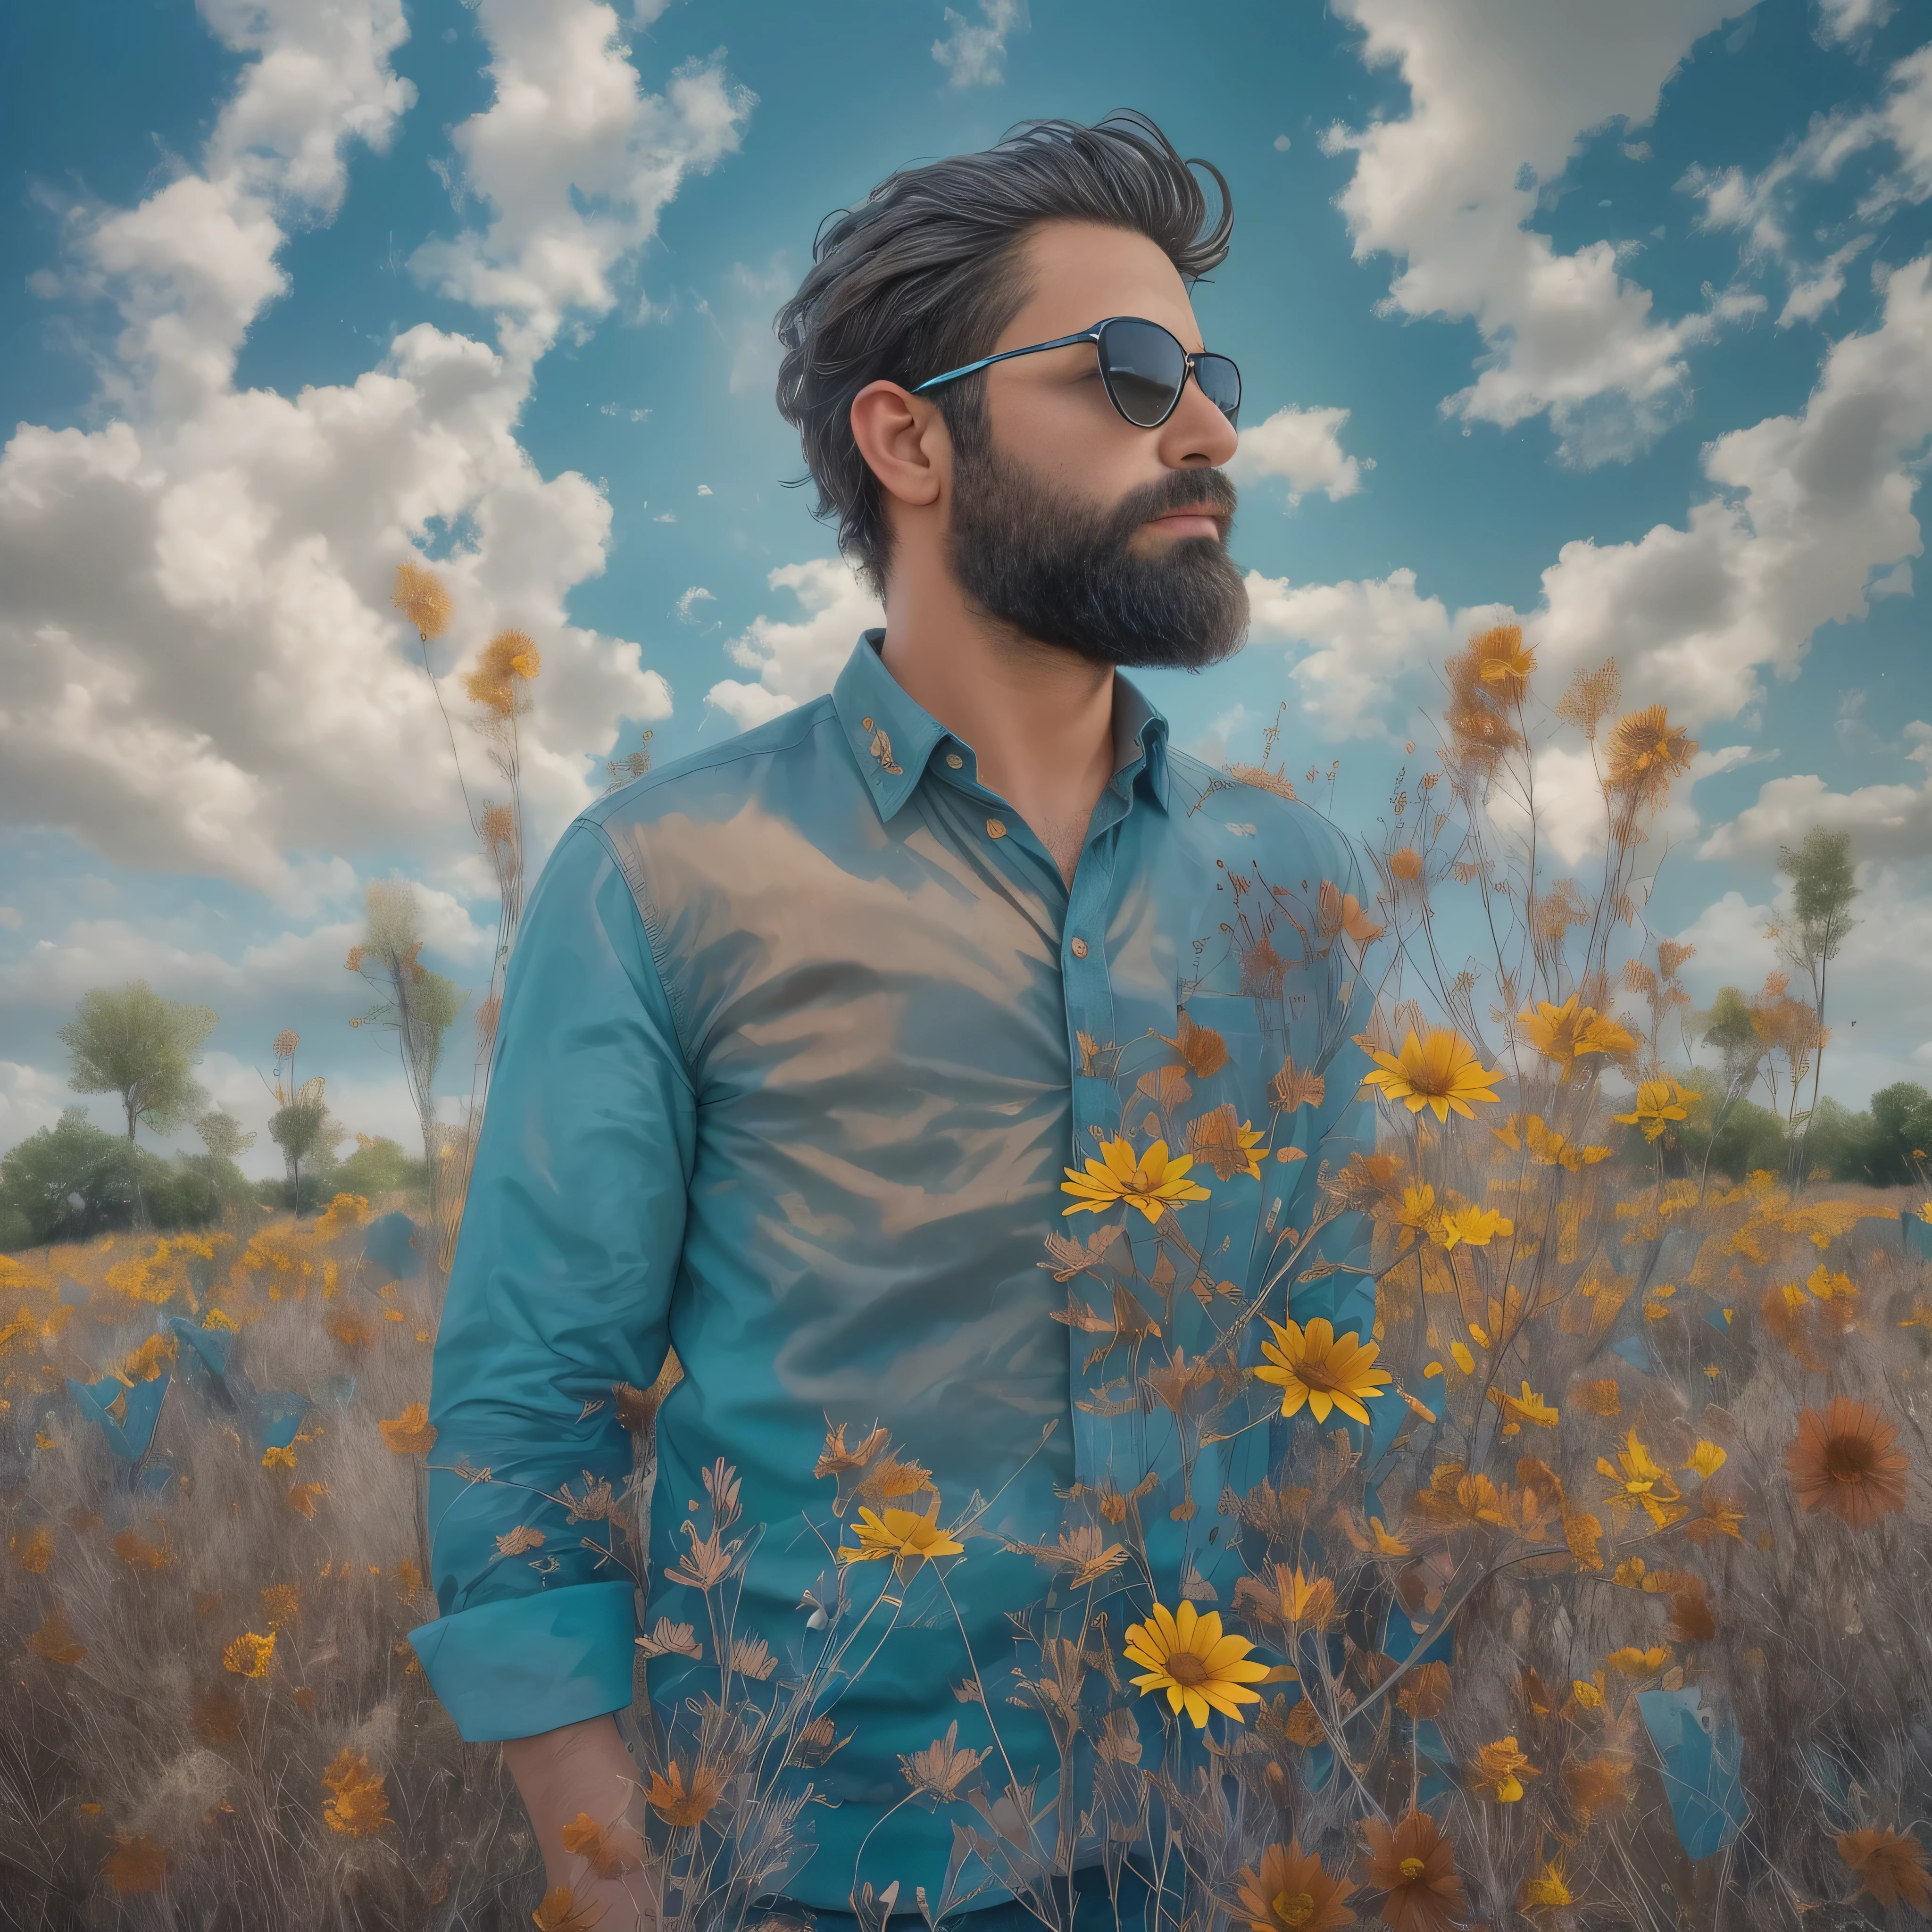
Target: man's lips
<point>1197,521</point>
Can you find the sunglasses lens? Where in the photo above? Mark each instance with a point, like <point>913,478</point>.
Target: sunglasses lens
<point>1143,367</point>
<point>1221,383</point>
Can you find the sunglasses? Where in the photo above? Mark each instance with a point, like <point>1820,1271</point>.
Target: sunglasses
<point>1144,367</point>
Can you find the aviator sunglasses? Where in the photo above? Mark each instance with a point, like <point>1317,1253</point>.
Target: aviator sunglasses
<point>1144,367</point>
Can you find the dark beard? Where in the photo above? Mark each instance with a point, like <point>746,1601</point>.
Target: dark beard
<point>1061,573</point>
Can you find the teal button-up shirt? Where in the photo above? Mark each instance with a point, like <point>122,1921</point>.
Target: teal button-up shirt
<point>800,1035</point>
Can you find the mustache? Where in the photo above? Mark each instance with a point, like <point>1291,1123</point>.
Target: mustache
<point>1178,489</point>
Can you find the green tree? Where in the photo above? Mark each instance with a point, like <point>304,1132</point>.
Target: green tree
<point>1727,1027</point>
<point>1822,889</point>
<point>1902,1135</point>
<point>73,1180</point>
<point>302,1125</point>
<point>137,1045</point>
<point>221,1134</point>
<point>417,1005</point>
<point>380,1165</point>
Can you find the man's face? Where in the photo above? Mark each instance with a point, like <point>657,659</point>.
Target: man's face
<point>1074,526</point>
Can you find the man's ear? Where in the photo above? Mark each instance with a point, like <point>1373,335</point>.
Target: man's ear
<point>904,441</point>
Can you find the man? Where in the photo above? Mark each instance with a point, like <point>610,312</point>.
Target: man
<point>803,1032</point>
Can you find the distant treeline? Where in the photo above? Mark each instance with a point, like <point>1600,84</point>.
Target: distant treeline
<point>71,1181</point>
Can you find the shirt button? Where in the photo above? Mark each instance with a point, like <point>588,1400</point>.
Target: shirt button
<point>953,759</point>
<point>995,828</point>
<point>1079,948</point>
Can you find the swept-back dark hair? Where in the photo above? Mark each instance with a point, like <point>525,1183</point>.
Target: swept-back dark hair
<point>926,273</point>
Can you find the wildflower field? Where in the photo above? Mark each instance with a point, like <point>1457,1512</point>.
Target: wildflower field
<point>1580,1586</point>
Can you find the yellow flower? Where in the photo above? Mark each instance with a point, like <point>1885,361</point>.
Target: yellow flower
<point>1565,1034</point>
<point>1314,1367</point>
<point>1638,1479</point>
<point>1527,1407</point>
<point>250,1655</point>
<point>1419,1214</point>
<point>1707,1458</point>
<point>1474,1228</point>
<point>1442,1073</point>
<point>1647,751</point>
<point>899,1533</point>
<point>1229,1149</point>
<point>1635,1663</point>
<point>273,1458</point>
<point>1658,1103</point>
<point>1459,1352</point>
<point>359,1806</point>
<point>1500,1769</point>
<point>1148,1183</point>
<point>1185,1655</point>
<point>1547,1891</point>
<point>1504,659</point>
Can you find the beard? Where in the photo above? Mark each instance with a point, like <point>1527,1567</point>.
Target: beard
<point>1060,571</point>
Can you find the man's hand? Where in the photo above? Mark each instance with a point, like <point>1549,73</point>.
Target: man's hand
<point>580,1785</point>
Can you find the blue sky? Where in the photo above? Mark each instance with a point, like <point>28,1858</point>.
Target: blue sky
<point>1618,319</point>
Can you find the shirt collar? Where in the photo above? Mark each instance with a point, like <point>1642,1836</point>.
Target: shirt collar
<point>892,737</point>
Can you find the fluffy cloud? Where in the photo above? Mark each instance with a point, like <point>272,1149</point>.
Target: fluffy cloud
<point>1811,505</point>
<point>1886,821</point>
<point>200,667</point>
<point>575,162</point>
<point>1302,447</point>
<point>1350,642</point>
<point>973,53</point>
<point>1498,99</point>
<point>1840,21</point>
<point>797,661</point>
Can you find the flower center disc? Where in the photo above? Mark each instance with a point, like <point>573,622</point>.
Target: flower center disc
<point>1187,1670</point>
<point>1294,1908</point>
<point>1846,1459</point>
<point>1412,1869</point>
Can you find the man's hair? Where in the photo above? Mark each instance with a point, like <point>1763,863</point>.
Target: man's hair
<point>926,273</point>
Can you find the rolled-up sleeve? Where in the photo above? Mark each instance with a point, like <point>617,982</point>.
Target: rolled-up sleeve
<point>560,1290</point>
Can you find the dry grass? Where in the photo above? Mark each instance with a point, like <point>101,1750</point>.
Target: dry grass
<point>142,1781</point>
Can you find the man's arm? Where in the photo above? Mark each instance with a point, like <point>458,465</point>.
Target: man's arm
<point>560,1289</point>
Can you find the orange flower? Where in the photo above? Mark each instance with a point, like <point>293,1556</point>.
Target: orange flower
<point>1500,1769</point>
<point>1406,865</point>
<point>359,1807</point>
<point>1415,1865</point>
<point>1424,1694</point>
<point>1292,1892</point>
<point>419,595</point>
<point>675,1805</point>
<point>1842,1460</point>
<point>1647,752</point>
<point>560,1912</point>
<point>1889,1864</point>
<point>410,1434</point>
<point>250,1654</point>
<point>587,1839</point>
<point>1502,659</point>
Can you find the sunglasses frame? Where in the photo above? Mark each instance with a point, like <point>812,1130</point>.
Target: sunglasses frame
<point>1189,359</point>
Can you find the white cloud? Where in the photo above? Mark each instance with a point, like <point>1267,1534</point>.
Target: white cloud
<point>198,669</point>
<point>973,53</point>
<point>795,662</point>
<point>697,594</point>
<point>1451,187</point>
<point>1885,821</point>
<point>1357,640</point>
<point>1812,504</point>
<point>1840,21</point>
<point>575,162</point>
<point>11,919</point>
<point>1303,447</point>
<point>1809,300</point>
<point>30,1099</point>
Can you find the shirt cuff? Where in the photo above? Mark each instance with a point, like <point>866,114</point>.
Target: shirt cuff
<point>523,1665</point>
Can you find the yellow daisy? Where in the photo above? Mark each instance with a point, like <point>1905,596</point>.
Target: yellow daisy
<point>1658,1103</point>
<point>1316,1367</point>
<point>1441,1072</point>
<point>1148,1183</point>
<point>1185,1654</point>
<point>897,1533</point>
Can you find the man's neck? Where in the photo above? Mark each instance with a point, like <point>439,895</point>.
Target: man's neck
<point>1040,719</point>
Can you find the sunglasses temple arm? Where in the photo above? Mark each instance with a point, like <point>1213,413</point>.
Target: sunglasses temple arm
<point>986,362</point>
